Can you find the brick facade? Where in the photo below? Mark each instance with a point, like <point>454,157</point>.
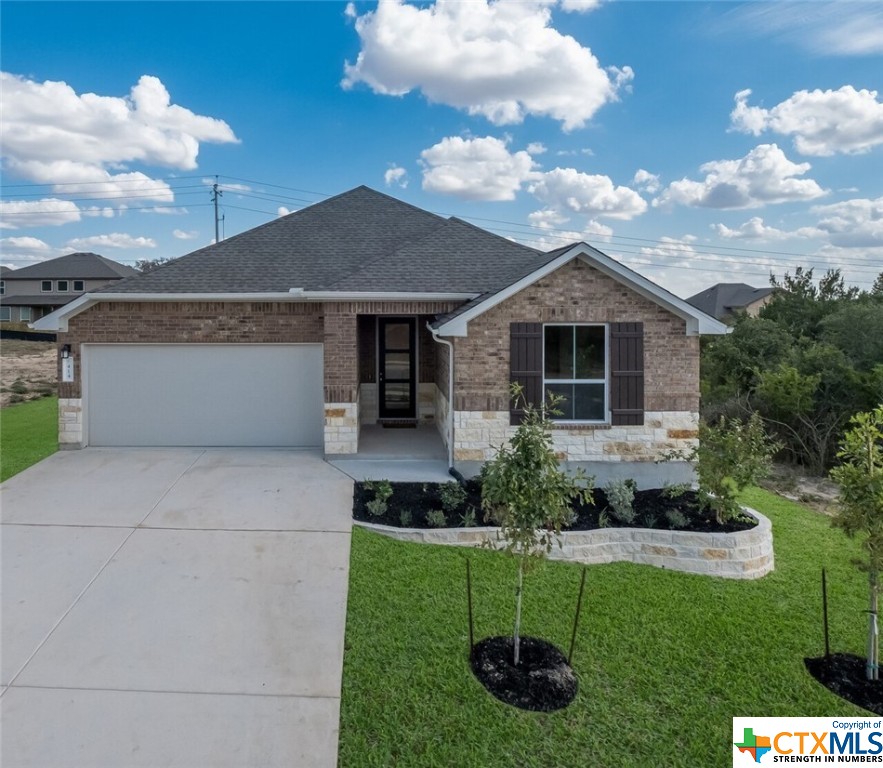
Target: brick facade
<point>577,293</point>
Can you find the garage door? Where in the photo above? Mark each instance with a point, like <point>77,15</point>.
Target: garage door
<point>203,394</point>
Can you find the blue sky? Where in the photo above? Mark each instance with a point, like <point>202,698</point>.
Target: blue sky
<point>696,142</point>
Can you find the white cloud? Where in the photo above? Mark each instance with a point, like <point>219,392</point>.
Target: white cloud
<point>52,135</point>
<point>852,223</point>
<point>182,235</point>
<point>30,245</point>
<point>823,123</point>
<point>94,211</point>
<point>567,189</point>
<point>763,176</point>
<point>475,169</point>
<point>536,148</point>
<point>755,229</point>
<point>501,60</point>
<point>396,175</point>
<point>113,240</point>
<point>826,29</point>
<point>282,211</point>
<point>553,236</point>
<point>679,249</point>
<point>48,212</point>
<point>580,6</point>
<point>646,181</point>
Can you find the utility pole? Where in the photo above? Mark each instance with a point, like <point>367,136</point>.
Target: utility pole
<point>216,193</point>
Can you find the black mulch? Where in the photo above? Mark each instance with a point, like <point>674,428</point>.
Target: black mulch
<point>543,681</point>
<point>844,674</point>
<point>651,506</point>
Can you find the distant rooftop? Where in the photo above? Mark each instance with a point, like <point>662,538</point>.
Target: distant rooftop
<point>74,266</point>
<point>725,299</point>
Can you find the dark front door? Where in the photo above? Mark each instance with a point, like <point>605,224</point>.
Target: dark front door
<point>397,342</point>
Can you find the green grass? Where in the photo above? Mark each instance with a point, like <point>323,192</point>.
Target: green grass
<point>28,433</point>
<point>664,659</point>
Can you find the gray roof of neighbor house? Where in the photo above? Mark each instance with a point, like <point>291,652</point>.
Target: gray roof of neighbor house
<point>723,299</point>
<point>74,266</point>
<point>361,240</point>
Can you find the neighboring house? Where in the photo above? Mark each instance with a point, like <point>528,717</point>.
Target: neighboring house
<point>363,309</point>
<point>725,300</point>
<point>29,293</point>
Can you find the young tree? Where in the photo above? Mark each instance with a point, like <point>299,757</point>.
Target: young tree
<point>526,493</point>
<point>860,477</point>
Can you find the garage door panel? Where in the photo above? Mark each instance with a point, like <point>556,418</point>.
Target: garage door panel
<point>204,395</point>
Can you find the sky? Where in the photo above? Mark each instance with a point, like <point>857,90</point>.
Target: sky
<point>695,142</point>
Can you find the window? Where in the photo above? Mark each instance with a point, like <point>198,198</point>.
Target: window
<point>46,286</point>
<point>5,314</point>
<point>24,314</point>
<point>575,367</point>
<point>79,285</point>
<point>61,286</point>
<point>2,287</point>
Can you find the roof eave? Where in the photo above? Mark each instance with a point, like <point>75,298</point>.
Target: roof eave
<point>58,320</point>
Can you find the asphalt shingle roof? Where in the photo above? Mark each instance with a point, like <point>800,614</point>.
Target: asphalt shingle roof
<point>361,240</point>
<point>722,299</point>
<point>74,266</point>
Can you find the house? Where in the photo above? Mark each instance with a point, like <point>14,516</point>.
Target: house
<point>29,293</point>
<point>724,300</point>
<point>364,310</point>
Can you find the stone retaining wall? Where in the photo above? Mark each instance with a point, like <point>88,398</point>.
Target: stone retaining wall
<point>742,555</point>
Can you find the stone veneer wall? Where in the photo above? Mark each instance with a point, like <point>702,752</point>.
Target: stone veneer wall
<point>341,428</point>
<point>742,555</point>
<point>479,434</point>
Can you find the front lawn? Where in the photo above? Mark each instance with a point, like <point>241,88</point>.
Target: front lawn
<point>664,659</point>
<point>28,433</point>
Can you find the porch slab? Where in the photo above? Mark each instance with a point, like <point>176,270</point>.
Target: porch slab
<point>394,470</point>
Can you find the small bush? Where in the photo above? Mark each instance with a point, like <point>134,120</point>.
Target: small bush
<point>380,488</point>
<point>19,387</point>
<point>452,496</point>
<point>621,495</point>
<point>435,518</point>
<point>405,518</point>
<point>676,518</point>
<point>467,520</point>
<point>376,507</point>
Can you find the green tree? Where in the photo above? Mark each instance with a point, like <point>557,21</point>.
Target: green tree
<point>526,493</point>
<point>860,477</point>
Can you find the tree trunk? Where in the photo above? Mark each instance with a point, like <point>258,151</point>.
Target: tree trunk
<point>871,670</point>
<point>517,631</point>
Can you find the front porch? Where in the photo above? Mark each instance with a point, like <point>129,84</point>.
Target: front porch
<point>415,454</point>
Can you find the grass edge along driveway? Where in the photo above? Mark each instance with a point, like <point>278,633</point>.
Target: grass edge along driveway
<point>28,434</point>
<point>664,659</point>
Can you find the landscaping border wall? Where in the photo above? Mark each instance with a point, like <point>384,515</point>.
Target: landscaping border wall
<point>741,555</point>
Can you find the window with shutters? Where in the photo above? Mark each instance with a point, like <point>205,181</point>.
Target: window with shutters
<point>575,367</point>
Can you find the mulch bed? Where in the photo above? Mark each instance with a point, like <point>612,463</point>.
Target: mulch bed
<point>652,510</point>
<point>844,674</point>
<point>543,681</point>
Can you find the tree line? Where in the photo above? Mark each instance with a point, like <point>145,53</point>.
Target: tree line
<point>810,360</point>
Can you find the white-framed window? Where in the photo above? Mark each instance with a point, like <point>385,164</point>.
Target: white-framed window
<point>46,286</point>
<point>61,286</point>
<point>5,314</point>
<point>2,287</point>
<point>575,366</point>
<point>79,285</point>
<point>24,314</point>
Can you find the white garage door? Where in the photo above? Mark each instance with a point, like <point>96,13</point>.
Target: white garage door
<point>203,394</point>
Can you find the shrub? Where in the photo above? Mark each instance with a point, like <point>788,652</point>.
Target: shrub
<point>376,507</point>
<point>621,495</point>
<point>676,518</point>
<point>467,519</point>
<point>405,518</point>
<point>452,496</point>
<point>382,491</point>
<point>731,455</point>
<point>435,518</point>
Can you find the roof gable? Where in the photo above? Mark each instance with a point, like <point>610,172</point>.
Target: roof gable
<point>697,321</point>
<point>722,299</point>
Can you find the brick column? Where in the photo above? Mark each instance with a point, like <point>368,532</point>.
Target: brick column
<point>341,380</point>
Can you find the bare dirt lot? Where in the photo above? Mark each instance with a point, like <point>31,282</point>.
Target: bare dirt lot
<point>27,370</point>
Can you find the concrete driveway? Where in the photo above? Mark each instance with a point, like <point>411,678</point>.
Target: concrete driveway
<point>173,607</point>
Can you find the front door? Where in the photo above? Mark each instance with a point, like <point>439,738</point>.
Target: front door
<point>397,343</point>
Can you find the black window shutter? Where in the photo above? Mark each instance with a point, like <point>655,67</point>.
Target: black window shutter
<point>526,364</point>
<point>626,374</point>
